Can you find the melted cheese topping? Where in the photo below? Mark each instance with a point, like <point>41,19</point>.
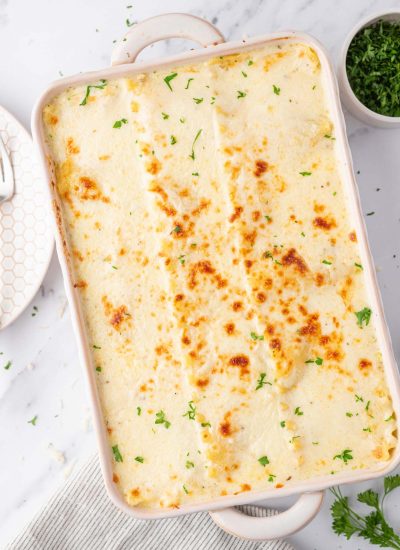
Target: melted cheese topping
<point>220,277</point>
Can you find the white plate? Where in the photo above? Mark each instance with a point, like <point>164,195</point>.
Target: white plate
<point>26,237</point>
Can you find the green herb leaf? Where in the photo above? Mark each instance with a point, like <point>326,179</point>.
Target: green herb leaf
<point>165,116</point>
<point>349,414</point>
<point>241,94</point>
<point>8,365</point>
<point>283,423</point>
<point>181,259</point>
<point>298,411</point>
<point>129,23</point>
<point>139,459</point>
<point>276,90</point>
<point>184,488</point>
<point>255,336</point>
<point>198,100</point>
<point>138,411</point>
<point>189,464</point>
<point>191,413</point>
<point>119,123</point>
<point>98,369</point>
<point>305,173</point>
<point>160,419</point>
<point>117,454</point>
<point>363,316</point>
<point>168,79</point>
<point>263,460</point>
<point>359,266</point>
<point>344,455</point>
<point>33,420</point>
<point>205,425</point>
<point>261,381</point>
<point>188,83</point>
<point>172,140</point>
<point>326,262</point>
<point>192,155</point>
<point>244,74</point>
<point>101,86</point>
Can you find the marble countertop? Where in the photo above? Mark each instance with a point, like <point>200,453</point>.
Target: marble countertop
<point>41,40</point>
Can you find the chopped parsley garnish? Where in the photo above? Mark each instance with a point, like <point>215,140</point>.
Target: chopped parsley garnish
<point>119,123</point>
<point>114,267</point>
<point>198,100</point>
<point>302,234</point>
<point>182,120</point>
<point>263,460</point>
<point>191,412</point>
<point>267,254</point>
<point>139,459</point>
<point>195,174</point>
<point>188,83</point>
<point>184,488</point>
<point>181,259</point>
<point>293,438</point>
<point>129,23</point>
<point>268,218</point>
<point>250,62</point>
<point>189,464</point>
<point>367,430</point>
<point>117,454</point>
<point>34,312</point>
<point>305,173</point>
<point>298,411</point>
<point>327,136</point>
<point>363,316</point>
<point>177,229</point>
<point>359,266</point>
<point>326,262</point>
<point>8,365</point>
<point>160,419</point>
<point>261,381</point>
<point>138,411</point>
<point>192,155</point>
<point>255,336</point>
<point>212,100</point>
<point>349,414</point>
<point>283,423</point>
<point>391,417</point>
<point>370,213</point>
<point>372,67</point>
<point>358,398</point>
<point>205,425</point>
<point>344,455</point>
<point>98,369</point>
<point>96,347</point>
<point>271,478</point>
<point>244,74</point>
<point>276,89</point>
<point>168,79</point>
<point>165,116</point>
<point>33,420</point>
<point>172,140</point>
<point>241,94</point>
<point>317,361</point>
<point>367,405</point>
<point>101,86</point>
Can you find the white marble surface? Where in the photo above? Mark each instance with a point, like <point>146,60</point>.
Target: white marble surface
<point>38,41</point>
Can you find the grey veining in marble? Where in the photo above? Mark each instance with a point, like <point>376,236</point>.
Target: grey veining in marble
<point>41,40</point>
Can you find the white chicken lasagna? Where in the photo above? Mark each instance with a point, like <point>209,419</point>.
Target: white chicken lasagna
<point>220,277</point>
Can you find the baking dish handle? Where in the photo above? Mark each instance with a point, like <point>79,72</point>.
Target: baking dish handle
<point>278,526</point>
<point>161,27</point>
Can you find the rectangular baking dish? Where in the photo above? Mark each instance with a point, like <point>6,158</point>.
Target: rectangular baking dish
<point>140,36</point>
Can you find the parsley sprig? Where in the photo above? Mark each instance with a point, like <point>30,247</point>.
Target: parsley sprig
<point>101,86</point>
<point>372,527</point>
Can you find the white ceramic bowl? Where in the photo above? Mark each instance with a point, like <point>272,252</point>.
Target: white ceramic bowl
<point>349,99</point>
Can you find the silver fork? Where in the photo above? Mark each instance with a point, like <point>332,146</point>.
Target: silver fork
<point>6,174</point>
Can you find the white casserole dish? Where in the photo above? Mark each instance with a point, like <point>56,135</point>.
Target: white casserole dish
<point>125,53</point>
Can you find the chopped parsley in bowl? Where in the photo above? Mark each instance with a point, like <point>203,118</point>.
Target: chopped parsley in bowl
<point>373,67</point>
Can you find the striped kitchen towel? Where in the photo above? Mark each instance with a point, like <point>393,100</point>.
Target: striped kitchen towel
<point>80,516</point>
